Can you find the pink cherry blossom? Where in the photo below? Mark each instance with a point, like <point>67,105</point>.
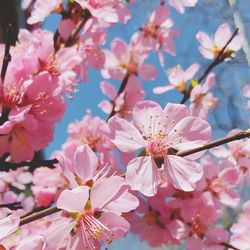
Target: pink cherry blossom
<point>127,59</point>
<point>110,11</point>
<point>180,5</point>
<point>178,78</point>
<point>241,229</point>
<point>96,201</point>
<point>156,33</point>
<point>42,9</point>
<point>211,46</point>
<point>8,225</point>
<point>159,132</point>
<point>125,102</point>
<point>201,99</point>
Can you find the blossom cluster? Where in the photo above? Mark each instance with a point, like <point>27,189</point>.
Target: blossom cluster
<point>144,169</point>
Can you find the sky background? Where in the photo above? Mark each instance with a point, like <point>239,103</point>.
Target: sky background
<point>231,77</point>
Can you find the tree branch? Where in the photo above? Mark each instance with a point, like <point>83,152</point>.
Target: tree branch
<point>7,57</point>
<point>38,215</point>
<point>7,166</point>
<point>227,245</point>
<point>121,89</point>
<point>241,135</point>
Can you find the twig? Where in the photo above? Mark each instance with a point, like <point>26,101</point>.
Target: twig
<point>12,206</point>
<point>219,59</point>
<point>227,245</point>
<point>38,215</point>
<point>7,57</point>
<point>241,135</point>
<point>121,89</point>
<point>7,166</point>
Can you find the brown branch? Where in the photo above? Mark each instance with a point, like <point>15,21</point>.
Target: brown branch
<point>121,89</point>
<point>72,38</point>
<point>7,166</point>
<point>219,59</point>
<point>7,57</point>
<point>227,245</point>
<point>241,135</point>
<point>38,215</point>
<point>12,206</point>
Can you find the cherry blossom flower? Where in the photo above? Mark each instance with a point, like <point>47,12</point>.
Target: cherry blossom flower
<point>41,10</point>
<point>125,102</point>
<point>8,225</point>
<point>127,59</point>
<point>156,33</point>
<point>159,132</point>
<point>178,78</point>
<point>95,202</point>
<point>211,46</point>
<point>180,5</point>
<point>201,99</point>
<point>241,229</point>
<point>109,11</point>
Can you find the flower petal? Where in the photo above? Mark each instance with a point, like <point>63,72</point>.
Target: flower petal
<point>143,175</point>
<point>73,200</point>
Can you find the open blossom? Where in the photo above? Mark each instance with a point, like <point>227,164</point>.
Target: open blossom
<point>125,59</point>
<point>150,220</point>
<point>109,11</point>
<point>41,9</point>
<point>157,34</point>
<point>8,226</point>
<point>211,46</point>
<point>159,133</point>
<point>240,230</point>
<point>196,225</point>
<point>178,78</point>
<point>180,5</point>
<point>201,99</point>
<point>95,203</point>
<point>125,102</point>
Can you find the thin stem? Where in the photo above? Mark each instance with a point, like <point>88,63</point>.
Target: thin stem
<point>121,89</point>
<point>7,57</point>
<point>227,245</point>
<point>12,206</point>
<point>7,166</point>
<point>219,59</point>
<point>38,215</point>
<point>241,135</point>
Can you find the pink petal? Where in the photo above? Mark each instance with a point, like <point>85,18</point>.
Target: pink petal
<point>108,89</point>
<point>105,191</point>
<point>222,35</point>
<point>191,71</point>
<point>120,50</point>
<point>9,225</point>
<point>143,175</point>
<point>148,117</point>
<point>174,113</point>
<point>182,173</point>
<point>118,225</point>
<point>163,89</point>
<point>85,162</point>
<point>124,202</point>
<point>191,129</point>
<point>73,200</point>
<point>205,40</point>
<point>124,135</point>
<point>147,72</point>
